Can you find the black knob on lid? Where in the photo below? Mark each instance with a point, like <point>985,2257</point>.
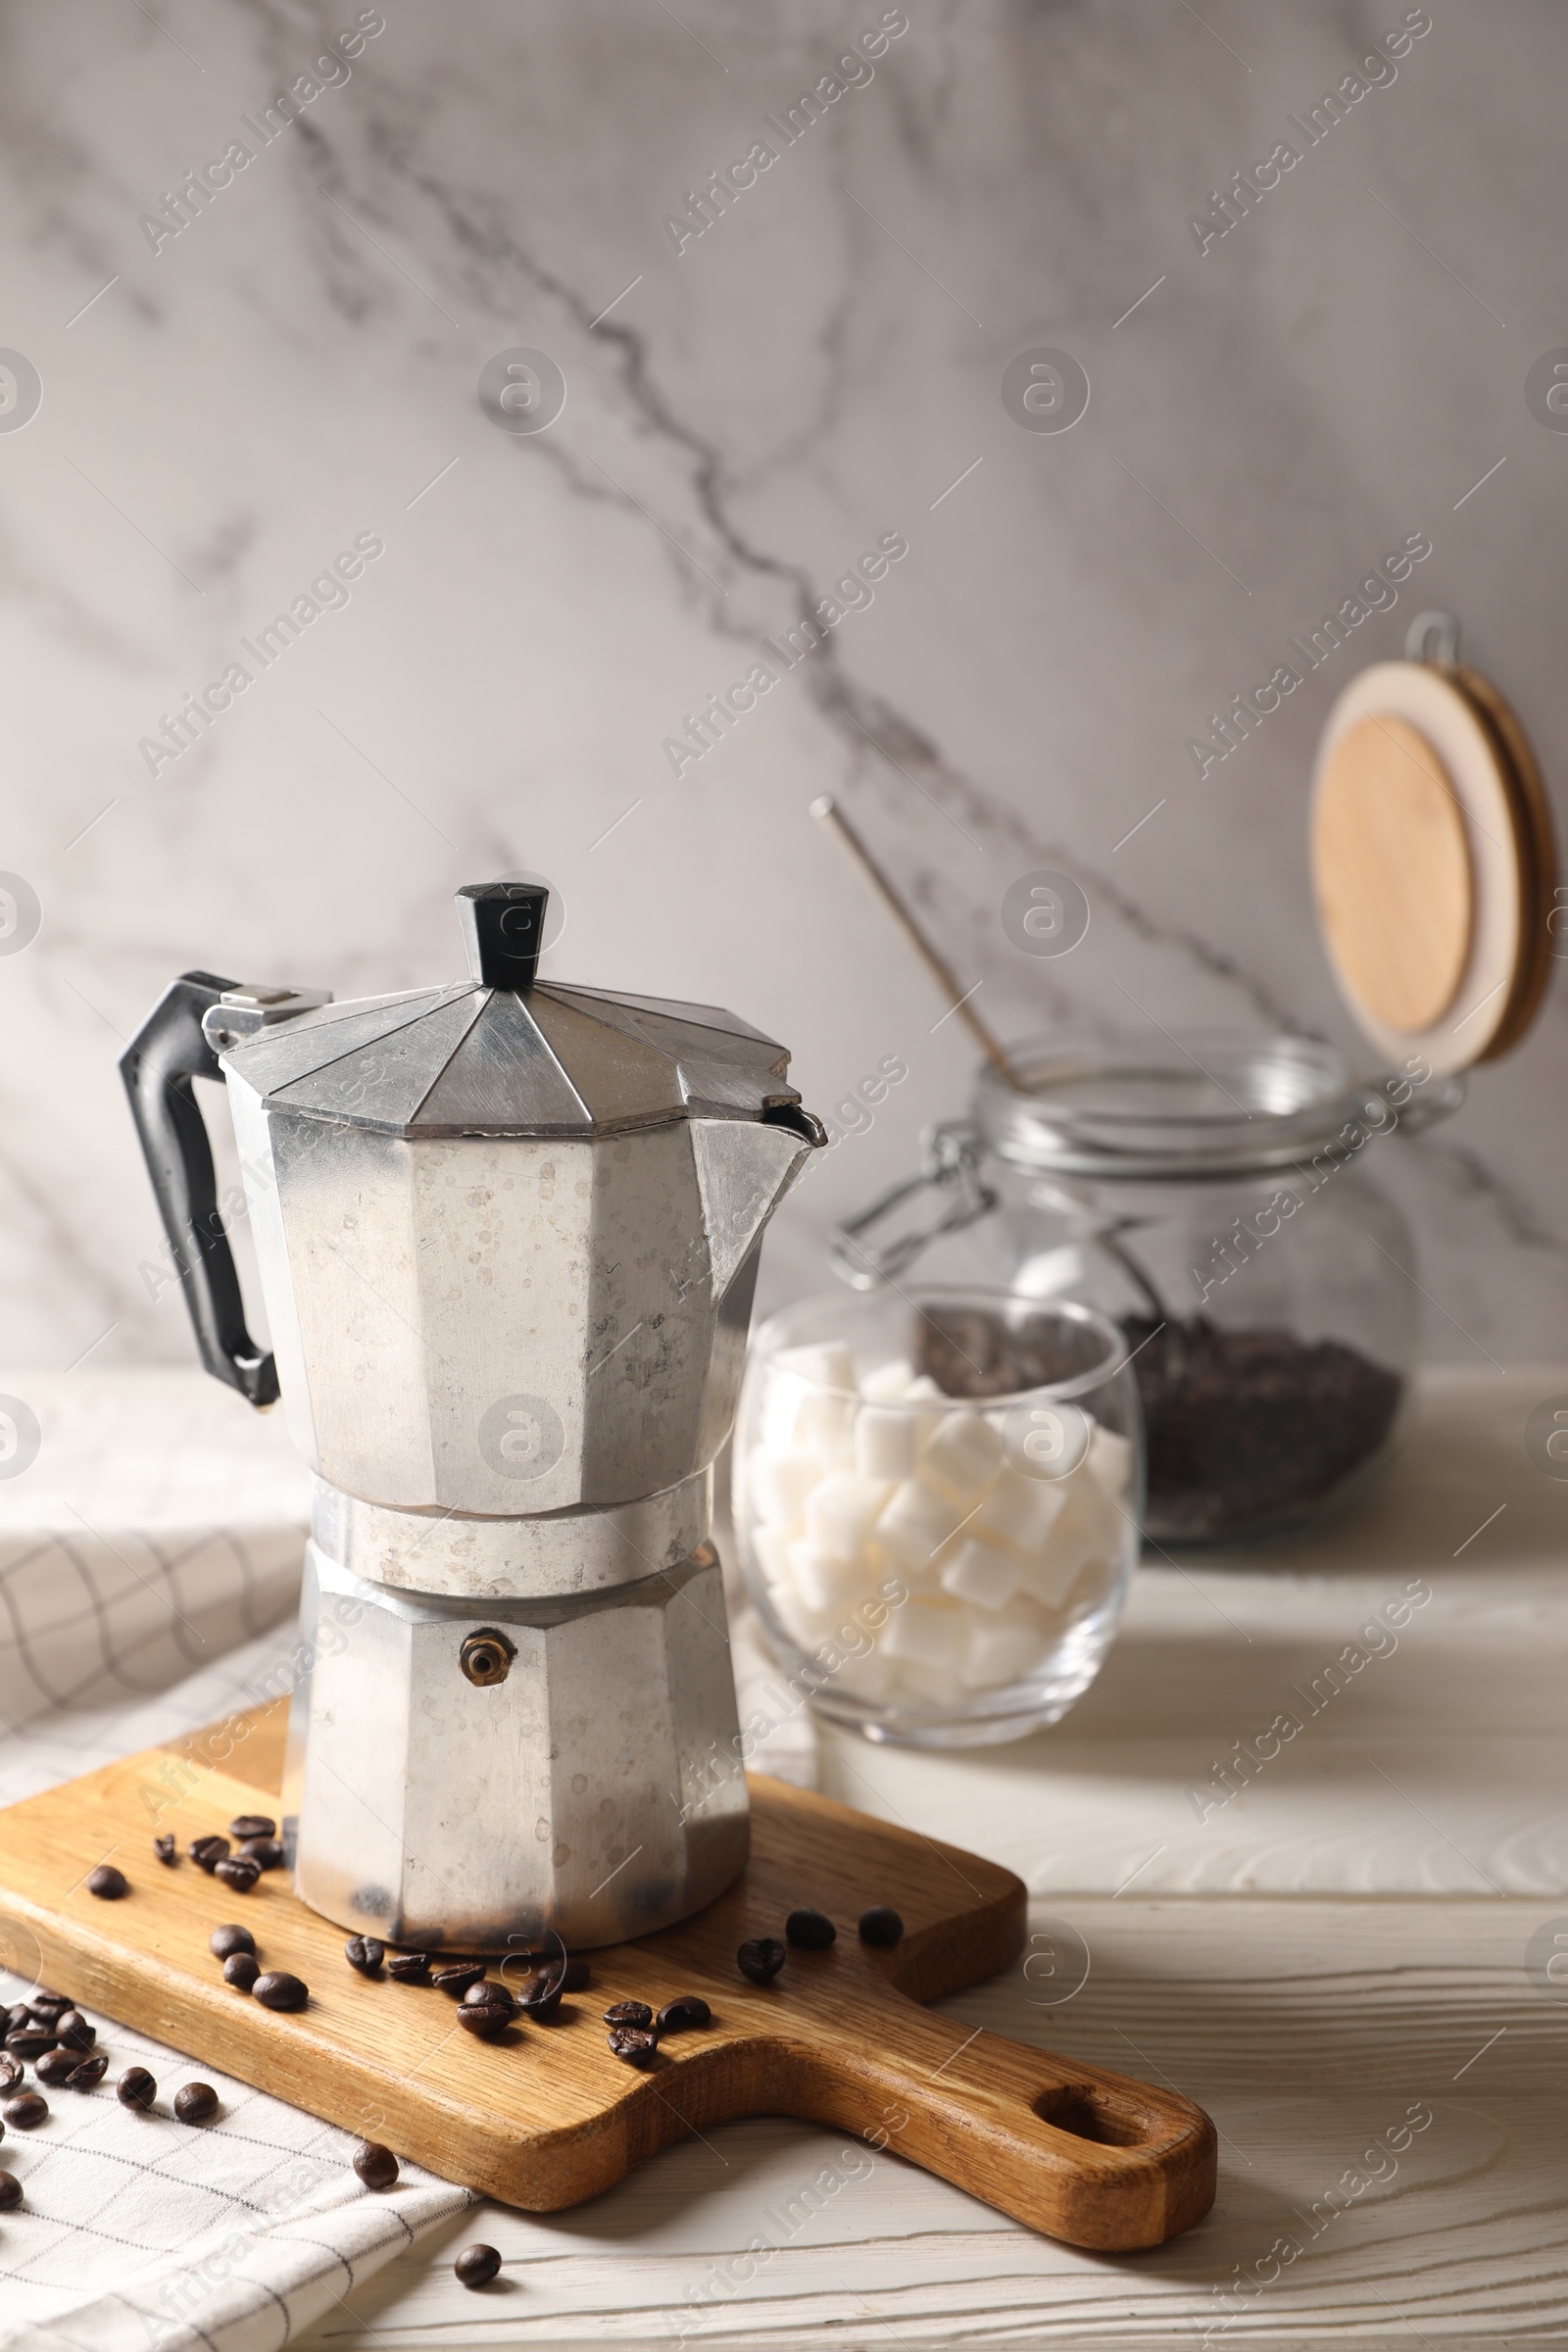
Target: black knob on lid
<point>502,926</point>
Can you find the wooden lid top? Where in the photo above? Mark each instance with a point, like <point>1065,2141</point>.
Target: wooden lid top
<point>1433,864</point>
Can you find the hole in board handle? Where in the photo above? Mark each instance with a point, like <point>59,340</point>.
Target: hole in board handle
<point>1088,2114</point>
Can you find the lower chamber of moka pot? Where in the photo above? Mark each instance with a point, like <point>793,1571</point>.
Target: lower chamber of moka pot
<point>487,1774</point>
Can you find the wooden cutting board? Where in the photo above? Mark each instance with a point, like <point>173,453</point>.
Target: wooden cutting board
<point>547,2116</point>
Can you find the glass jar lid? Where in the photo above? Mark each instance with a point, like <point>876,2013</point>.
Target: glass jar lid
<point>1209,1103</point>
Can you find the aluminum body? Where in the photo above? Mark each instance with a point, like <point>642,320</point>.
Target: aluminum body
<point>508,1241</point>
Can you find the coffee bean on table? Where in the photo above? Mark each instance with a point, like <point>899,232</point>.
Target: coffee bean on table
<point>195,2102</point>
<point>88,2073</point>
<point>241,1970</point>
<point>409,1967</point>
<point>539,1996</point>
<point>27,2111</point>
<point>167,1850</point>
<point>475,2265</point>
<point>253,1825</point>
<point>684,2014</point>
<point>108,1883</point>
<point>238,1871</point>
<point>10,2070</point>
<point>10,2192</point>
<point>49,2005</point>
<point>277,1989</point>
<point>811,1931</point>
<point>75,2031</point>
<point>31,2043</point>
<point>761,1958</point>
<point>266,1852</point>
<point>487,2010</point>
<point>365,1953</point>
<point>638,2045</point>
<point>458,1975</point>
<point>628,2013</point>
<point>56,2068</point>
<point>136,2089</point>
<point>376,2165</point>
<point>18,2014</point>
<point>205,1852</point>
<point>880,1926</point>
<point>227,1939</point>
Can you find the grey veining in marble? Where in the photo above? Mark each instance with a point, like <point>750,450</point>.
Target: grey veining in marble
<point>753,402</point>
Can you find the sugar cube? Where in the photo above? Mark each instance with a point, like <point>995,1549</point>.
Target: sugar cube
<point>884,1441</point>
<point>888,1380</point>
<point>778,1480</point>
<point>914,1526</point>
<point>982,1573</point>
<point>820,1579</point>
<point>841,1511</point>
<point>1020,1510</point>
<point>926,1633</point>
<point>1110,1458</point>
<point>1001,1649</point>
<point>962,1455</point>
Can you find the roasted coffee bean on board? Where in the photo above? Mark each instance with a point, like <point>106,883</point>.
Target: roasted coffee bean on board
<point>237,1871</point>
<point>277,1989</point>
<point>167,1850</point>
<point>136,2089</point>
<point>195,2102</point>
<point>75,2031</point>
<point>375,2164</point>
<point>43,2003</point>
<point>628,2013</point>
<point>638,2045</point>
<point>811,1931</point>
<point>365,1953</point>
<point>29,2043</point>
<point>409,1967</point>
<point>266,1852</point>
<point>253,1825</point>
<point>487,2011</point>
<point>241,1970</point>
<point>56,2066</point>
<point>477,2265</point>
<point>10,2192</point>
<point>458,1975</point>
<point>88,2073</point>
<point>205,1852</point>
<point>108,1883</point>
<point>685,2014</point>
<point>881,1927</point>
<point>27,2111</point>
<point>761,1958</point>
<point>229,1939</point>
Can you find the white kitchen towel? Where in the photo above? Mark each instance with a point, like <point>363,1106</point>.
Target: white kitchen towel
<point>161,1522</point>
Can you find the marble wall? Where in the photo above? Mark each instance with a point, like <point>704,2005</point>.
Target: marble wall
<point>752,403</point>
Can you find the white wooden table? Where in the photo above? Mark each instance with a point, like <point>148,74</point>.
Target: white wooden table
<point>1334,1962</point>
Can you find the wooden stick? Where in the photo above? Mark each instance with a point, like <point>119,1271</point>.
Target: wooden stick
<point>828,814</point>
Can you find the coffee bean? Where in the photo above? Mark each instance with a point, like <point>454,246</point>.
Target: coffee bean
<point>29,2043</point>
<point>47,2007</point>
<point>241,1970</point>
<point>376,2165</point>
<point>253,1825</point>
<point>682,2016</point>
<point>761,1958</point>
<point>266,1852</point>
<point>227,1939</point>
<point>238,1871</point>
<point>167,1850</point>
<point>75,2031</point>
<point>409,1967</point>
<point>88,2073</point>
<point>136,2089</point>
<point>10,2070</point>
<point>18,2015</point>
<point>638,2045</point>
<point>475,2265</point>
<point>628,2013</point>
<point>56,2068</point>
<point>489,2015</point>
<point>277,1989</point>
<point>811,1931</point>
<point>195,2102</point>
<point>365,1953</point>
<point>10,2192</point>
<point>27,2111</point>
<point>881,1927</point>
<point>108,1883</point>
<point>457,1977</point>
<point>540,1995</point>
<point>206,1851</point>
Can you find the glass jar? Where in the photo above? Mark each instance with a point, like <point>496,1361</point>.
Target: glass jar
<point>937,1500</point>
<point>1211,1194</point>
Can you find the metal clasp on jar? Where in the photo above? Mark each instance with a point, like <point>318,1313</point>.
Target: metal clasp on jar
<point>949,1164</point>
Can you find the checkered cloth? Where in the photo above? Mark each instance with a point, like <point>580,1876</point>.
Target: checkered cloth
<point>163,1524</point>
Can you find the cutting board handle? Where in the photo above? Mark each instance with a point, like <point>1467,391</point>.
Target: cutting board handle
<point>1085,2154</point>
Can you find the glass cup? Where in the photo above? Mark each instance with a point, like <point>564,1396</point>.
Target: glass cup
<point>937,1500</point>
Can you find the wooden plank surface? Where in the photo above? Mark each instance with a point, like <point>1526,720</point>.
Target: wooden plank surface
<point>1321,2035</point>
<point>545,2116</point>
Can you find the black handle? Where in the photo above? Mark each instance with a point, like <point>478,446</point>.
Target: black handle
<point>503,929</point>
<point>166,1053</point>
